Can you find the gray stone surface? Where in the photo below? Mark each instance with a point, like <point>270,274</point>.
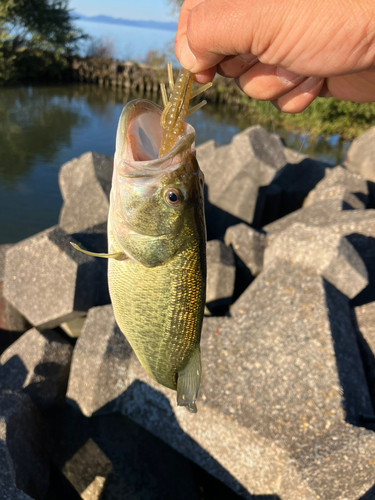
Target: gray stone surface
<point>249,162</point>
<point>293,156</point>
<point>326,252</point>
<point>87,470</point>
<point>338,192</point>
<point>3,250</point>
<point>73,327</point>
<point>39,364</point>
<point>48,281</point>
<point>327,214</point>
<point>221,275</point>
<point>23,439</point>
<point>361,154</point>
<point>10,319</point>
<point>282,393</point>
<point>339,183</point>
<point>99,362</point>
<point>248,244</point>
<point>85,183</point>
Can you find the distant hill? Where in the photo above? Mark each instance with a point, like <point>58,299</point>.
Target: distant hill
<point>171,26</point>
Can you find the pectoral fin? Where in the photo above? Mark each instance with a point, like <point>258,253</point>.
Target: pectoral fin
<point>188,382</point>
<point>117,256</point>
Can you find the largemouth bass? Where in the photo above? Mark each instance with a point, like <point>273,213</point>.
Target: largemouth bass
<point>157,239</point>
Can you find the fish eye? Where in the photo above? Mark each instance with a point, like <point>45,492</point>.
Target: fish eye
<point>173,197</point>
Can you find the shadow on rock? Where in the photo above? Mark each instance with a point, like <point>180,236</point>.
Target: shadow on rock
<point>356,398</point>
<point>368,360</point>
<point>217,220</point>
<point>293,182</point>
<point>13,374</point>
<point>369,495</point>
<point>365,247</point>
<point>118,457</point>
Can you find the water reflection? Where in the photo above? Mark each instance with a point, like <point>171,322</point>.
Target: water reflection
<point>43,127</point>
<point>34,125</point>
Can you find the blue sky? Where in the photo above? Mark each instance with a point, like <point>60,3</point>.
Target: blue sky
<point>155,10</point>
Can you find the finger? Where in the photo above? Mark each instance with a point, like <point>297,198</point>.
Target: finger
<point>300,97</point>
<point>201,46</point>
<point>358,87</point>
<point>324,92</point>
<point>235,66</point>
<point>267,83</point>
<point>180,38</point>
<point>230,67</point>
<point>205,76</point>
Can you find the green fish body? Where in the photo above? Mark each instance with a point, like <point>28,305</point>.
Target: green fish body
<point>156,229</point>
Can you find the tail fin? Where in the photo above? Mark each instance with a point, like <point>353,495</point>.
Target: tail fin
<point>188,382</point>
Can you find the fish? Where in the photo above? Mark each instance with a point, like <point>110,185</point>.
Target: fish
<point>157,238</point>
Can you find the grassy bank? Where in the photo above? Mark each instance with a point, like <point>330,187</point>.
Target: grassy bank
<point>323,117</point>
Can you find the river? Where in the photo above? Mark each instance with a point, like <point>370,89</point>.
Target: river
<point>43,127</point>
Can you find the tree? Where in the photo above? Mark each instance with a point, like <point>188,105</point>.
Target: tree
<point>35,35</point>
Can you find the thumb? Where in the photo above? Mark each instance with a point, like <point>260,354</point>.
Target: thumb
<point>208,31</point>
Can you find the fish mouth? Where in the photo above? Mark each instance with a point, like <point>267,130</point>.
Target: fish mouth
<point>138,142</point>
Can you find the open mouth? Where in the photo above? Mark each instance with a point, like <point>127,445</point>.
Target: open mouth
<point>138,142</point>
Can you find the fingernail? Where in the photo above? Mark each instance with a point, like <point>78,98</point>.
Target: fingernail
<point>187,58</point>
<point>249,59</point>
<point>310,84</point>
<point>288,77</point>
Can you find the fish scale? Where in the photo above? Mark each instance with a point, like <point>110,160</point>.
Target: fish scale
<point>151,307</point>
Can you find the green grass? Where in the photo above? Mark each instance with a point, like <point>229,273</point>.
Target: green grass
<point>323,117</point>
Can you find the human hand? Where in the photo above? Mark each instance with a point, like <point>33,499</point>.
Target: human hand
<point>285,51</point>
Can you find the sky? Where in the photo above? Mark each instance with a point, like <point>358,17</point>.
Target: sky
<point>154,10</point>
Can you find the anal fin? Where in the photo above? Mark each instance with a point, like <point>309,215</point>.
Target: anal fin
<point>188,382</point>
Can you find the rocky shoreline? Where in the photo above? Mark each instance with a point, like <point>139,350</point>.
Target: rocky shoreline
<point>286,407</point>
<point>145,79</point>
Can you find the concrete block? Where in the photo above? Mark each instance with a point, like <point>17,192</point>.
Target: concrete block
<point>221,275</point>
<point>73,327</point>
<point>283,389</point>
<point>85,183</point>
<point>3,250</point>
<point>326,214</point>
<point>11,321</point>
<point>339,183</point>
<point>87,471</point>
<point>111,457</point>
<point>361,154</point>
<point>99,362</point>
<point>23,439</point>
<point>48,281</point>
<point>249,162</point>
<point>334,193</point>
<point>293,156</point>
<point>248,244</point>
<point>323,251</point>
<point>39,364</point>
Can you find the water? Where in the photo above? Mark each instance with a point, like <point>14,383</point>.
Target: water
<point>128,42</point>
<point>41,128</point>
